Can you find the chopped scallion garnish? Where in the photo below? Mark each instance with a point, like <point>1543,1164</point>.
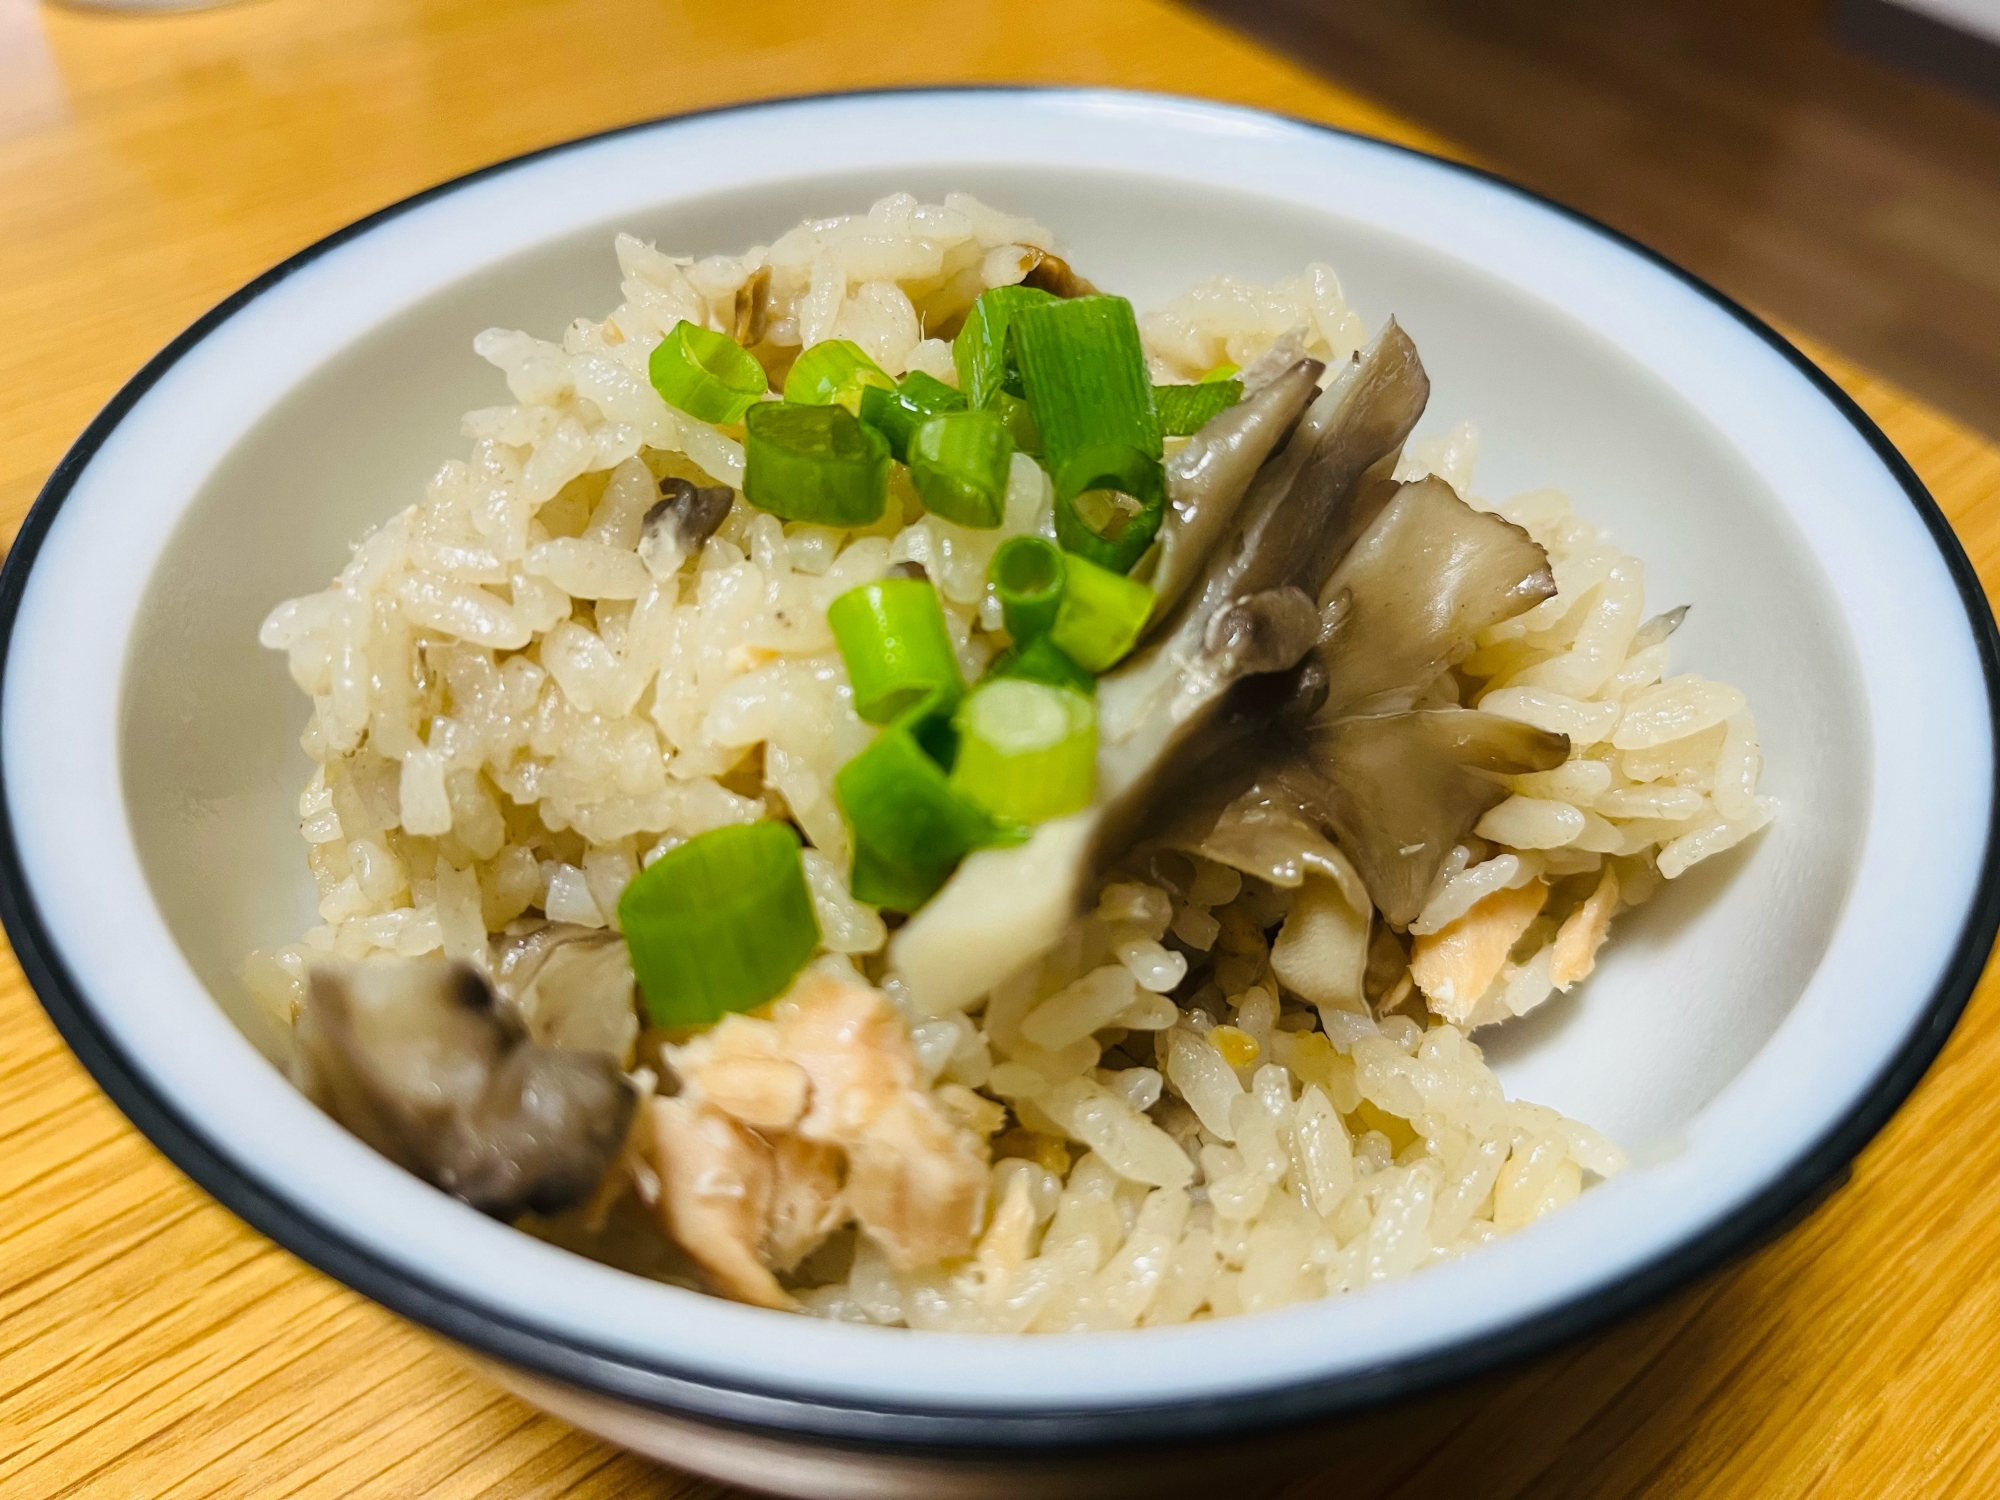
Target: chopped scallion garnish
<point>898,413</point>
<point>814,463</point>
<point>910,827</point>
<point>721,923</point>
<point>834,372</point>
<point>959,462</point>
<point>892,635</point>
<point>1020,423</point>
<point>1042,660</point>
<point>1109,526</point>
<point>706,374</point>
<point>1027,573</point>
<point>1183,409</point>
<point>1100,616</point>
<point>1027,751</point>
<point>1083,371</point>
<point>981,350</point>
<point>1223,371</point>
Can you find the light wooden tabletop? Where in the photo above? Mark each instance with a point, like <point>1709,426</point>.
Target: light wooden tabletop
<point>152,1347</point>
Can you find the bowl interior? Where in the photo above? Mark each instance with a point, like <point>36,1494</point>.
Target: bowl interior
<point>1690,989</point>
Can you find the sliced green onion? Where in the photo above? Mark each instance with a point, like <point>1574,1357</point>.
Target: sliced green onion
<point>1020,423</point>
<point>1027,752</point>
<point>1109,527</point>
<point>1182,409</point>
<point>814,463</point>
<point>929,394</point>
<point>910,827</point>
<point>1042,660</point>
<point>1027,573</point>
<point>892,636</point>
<point>1100,616</point>
<point>721,923</point>
<point>898,413</point>
<point>706,374</point>
<point>1083,372</point>
<point>981,350</point>
<point>1223,371</point>
<point>959,462</point>
<point>834,372</point>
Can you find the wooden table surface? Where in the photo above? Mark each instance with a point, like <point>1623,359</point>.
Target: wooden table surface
<point>152,1347</point>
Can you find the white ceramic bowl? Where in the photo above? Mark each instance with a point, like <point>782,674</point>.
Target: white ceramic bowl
<point>1747,1034</point>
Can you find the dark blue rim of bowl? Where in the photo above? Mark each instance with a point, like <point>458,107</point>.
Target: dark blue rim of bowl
<point>962,1431</point>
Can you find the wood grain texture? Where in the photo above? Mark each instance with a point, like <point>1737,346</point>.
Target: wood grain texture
<point>151,1347</point>
<point>1857,199</point>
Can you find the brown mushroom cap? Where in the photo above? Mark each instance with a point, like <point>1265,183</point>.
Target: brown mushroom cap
<point>1417,589</point>
<point>1401,790</point>
<point>1398,789</point>
<point>416,1059</point>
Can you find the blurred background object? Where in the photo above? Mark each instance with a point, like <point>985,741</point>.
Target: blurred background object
<point>1955,40</point>
<point>1790,151</point>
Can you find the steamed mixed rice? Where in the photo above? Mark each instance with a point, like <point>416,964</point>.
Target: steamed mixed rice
<point>1214,1092</point>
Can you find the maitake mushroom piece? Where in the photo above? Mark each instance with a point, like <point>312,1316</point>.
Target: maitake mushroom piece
<point>1275,701</point>
<point>1398,786</point>
<point>417,1060</point>
<point>1417,589</point>
<point>794,1122</point>
<point>1400,791</point>
<point>1208,479</point>
<point>570,987</point>
<point>1264,502</point>
<point>680,522</point>
<point>1052,274</point>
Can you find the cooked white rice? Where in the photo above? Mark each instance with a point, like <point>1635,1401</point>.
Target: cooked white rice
<point>512,714</point>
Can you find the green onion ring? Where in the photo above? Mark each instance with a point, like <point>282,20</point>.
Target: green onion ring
<point>1042,660</point>
<point>1183,409</point>
<point>834,372</point>
<point>1101,615</point>
<point>1027,752</point>
<point>898,413</point>
<point>1028,576</point>
<point>982,351</point>
<point>1020,423</point>
<point>1083,370</point>
<point>706,374</point>
<point>910,827</point>
<point>960,462</point>
<point>814,463</point>
<point>721,923</point>
<point>892,636</point>
<point>1117,550</point>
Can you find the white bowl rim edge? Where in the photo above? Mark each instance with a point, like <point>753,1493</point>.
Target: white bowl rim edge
<point>878,1425</point>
